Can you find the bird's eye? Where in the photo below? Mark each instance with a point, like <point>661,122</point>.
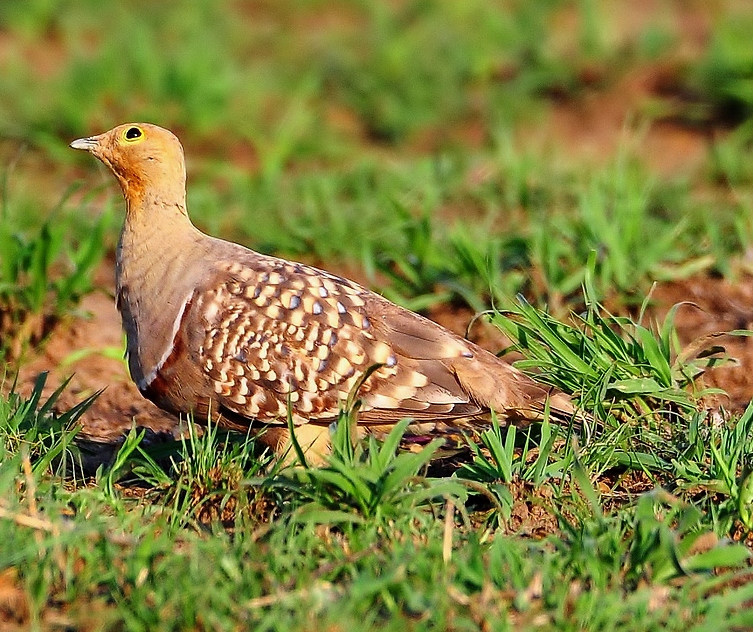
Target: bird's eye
<point>133,133</point>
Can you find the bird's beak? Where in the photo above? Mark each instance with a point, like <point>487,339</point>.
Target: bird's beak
<point>87,144</point>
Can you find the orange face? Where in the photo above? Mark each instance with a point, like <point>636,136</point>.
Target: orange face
<point>142,157</point>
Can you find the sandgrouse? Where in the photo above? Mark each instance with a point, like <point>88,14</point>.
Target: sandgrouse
<point>212,326</point>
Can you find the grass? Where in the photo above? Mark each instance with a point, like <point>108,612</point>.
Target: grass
<point>723,75</point>
<point>202,533</point>
<point>425,147</point>
<point>44,270</point>
<point>34,292</point>
<point>214,47</point>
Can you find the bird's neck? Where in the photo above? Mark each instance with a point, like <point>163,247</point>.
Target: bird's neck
<point>156,230</point>
<point>158,245</point>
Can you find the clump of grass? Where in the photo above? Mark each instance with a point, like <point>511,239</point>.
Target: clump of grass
<point>711,465</point>
<point>32,426</point>
<point>622,216</point>
<point>649,414</point>
<point>501,462</point>
<point>363,480</point>
<point>618,368</point>
<point>659,539</point>
<point>198,480</point>
<point>43,274</point>
<point>724,75</point>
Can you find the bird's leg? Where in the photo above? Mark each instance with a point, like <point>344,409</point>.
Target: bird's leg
<point>313,439</point>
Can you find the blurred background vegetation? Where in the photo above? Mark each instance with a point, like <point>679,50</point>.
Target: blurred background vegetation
<point>449,150</point>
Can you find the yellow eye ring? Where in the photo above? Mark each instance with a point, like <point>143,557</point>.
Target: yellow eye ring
<point>133,134</point>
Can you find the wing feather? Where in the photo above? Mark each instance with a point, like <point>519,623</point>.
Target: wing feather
<point>277,330</point>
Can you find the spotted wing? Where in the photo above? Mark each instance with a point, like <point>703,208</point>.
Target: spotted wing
<point>279,332</point>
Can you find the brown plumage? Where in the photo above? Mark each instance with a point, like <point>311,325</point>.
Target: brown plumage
<point>211,325</point>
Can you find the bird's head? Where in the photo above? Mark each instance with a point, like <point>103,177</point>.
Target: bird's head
<point>145,159</point>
